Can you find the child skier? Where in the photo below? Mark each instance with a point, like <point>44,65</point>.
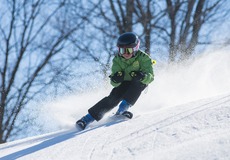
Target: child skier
<point>132,71</point>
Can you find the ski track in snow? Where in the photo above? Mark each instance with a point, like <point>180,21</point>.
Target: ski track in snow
<point>197,130</point>
<point>167,129</point>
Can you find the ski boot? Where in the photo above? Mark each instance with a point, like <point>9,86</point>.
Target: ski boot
<point>128,114</point>
<point>84,121</point>
<point>122,110</point>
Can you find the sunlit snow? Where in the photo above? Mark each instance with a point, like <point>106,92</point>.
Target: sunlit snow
<point>184,114</point>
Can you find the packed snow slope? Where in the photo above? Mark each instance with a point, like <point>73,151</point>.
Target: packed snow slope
<point>184,114</point>
<point>199,130</point>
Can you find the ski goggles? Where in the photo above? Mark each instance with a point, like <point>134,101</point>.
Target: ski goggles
<point>126,50</point>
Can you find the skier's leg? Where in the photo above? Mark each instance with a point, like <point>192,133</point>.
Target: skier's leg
<point>124,106</point>
<point>103,106</point>
<point>130,96</point>
<point>84,121</point>
<point>133,92</point>
<point>108,103</point>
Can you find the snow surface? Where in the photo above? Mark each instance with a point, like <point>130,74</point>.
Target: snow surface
<point>185,115</point>
<point>197,130</point>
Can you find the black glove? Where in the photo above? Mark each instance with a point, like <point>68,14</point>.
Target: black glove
<point>118,77</point>
<point>137,75</point>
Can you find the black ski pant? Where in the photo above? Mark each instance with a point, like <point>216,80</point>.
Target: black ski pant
<point>127,90</point>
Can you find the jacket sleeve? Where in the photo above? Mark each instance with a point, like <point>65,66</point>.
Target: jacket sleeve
<point>115,68</point>
<point>147,68</point>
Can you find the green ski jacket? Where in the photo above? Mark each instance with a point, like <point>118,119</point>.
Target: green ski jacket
<point>141,62</point>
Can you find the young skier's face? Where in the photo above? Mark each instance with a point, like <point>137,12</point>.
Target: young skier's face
<point>126,52</point>
<point>127,55</point>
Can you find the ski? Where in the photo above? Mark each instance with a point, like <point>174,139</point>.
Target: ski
<point>81,125</point>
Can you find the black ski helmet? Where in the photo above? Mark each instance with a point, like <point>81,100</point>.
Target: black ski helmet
<point>128,39</point>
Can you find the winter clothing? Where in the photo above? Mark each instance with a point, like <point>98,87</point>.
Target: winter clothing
<point>118,77</point>
<point>141,62</point>
<point>84,121</point>
<point>128,90</point>
<point>132,71</point>
<point>128,40</point>
<point>137,75</point>
<point>124,106</point>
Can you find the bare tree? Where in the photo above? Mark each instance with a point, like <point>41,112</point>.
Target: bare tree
<point>104,30</point>
<point>123,13</point>
<point>34,35</point>
<point>186,19</point>
<point>177,24</point>
<point>148,14</point>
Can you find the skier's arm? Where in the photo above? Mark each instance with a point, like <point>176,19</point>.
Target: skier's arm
<point>115,68</point>
<point>147,68</point>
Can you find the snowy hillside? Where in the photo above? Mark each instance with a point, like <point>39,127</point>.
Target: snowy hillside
<point>198,130</point>
<point>184,114</point>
